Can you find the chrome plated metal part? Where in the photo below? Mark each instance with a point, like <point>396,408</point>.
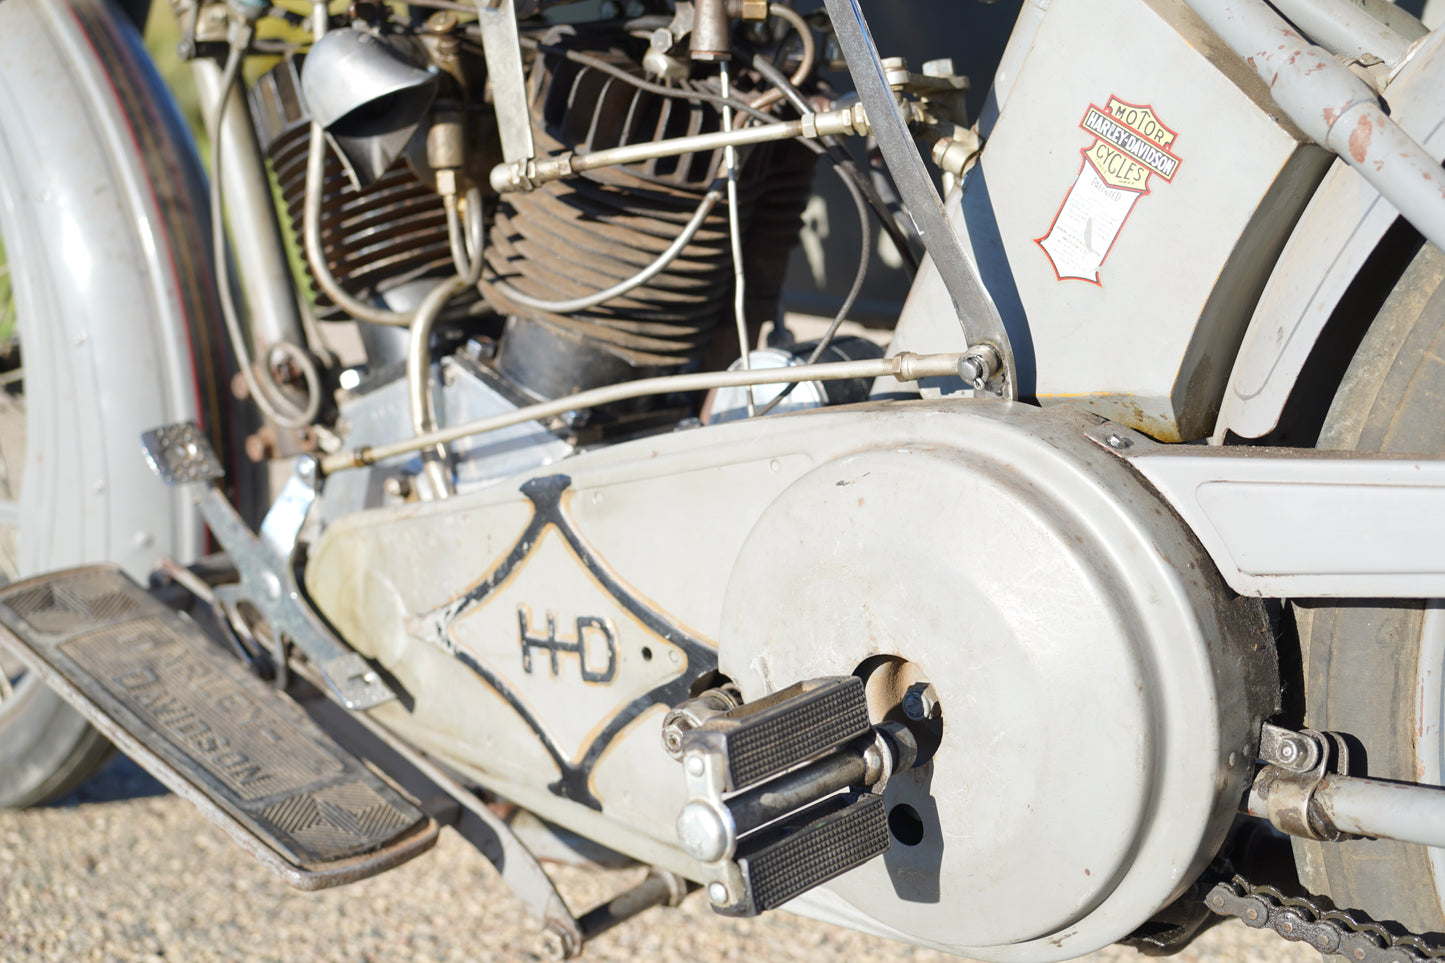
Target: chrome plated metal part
<point>350,72</point>
<point>420,400</point>
<point>976,312</point>
<point>367,97</point>
<point>904,366</point>
<point>732,765</point>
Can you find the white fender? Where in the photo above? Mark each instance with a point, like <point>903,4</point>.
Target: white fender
<point>1338,231</point>
<point>103,211</point>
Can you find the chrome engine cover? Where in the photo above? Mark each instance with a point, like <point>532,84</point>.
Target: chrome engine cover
<point>1101,689</point>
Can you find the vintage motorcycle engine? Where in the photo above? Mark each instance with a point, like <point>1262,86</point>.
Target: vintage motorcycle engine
<point>1088,720</point>
<point>385,238</point>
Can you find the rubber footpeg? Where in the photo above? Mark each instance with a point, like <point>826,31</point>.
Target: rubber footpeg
<point>760,739</point>
<point>246,755</point>
<point>808,849</point>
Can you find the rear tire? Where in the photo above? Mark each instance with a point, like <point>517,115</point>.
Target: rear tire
<point>1368,665</point>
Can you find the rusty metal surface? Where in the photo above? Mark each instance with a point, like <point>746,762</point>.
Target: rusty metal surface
<point>376,238</point>
<point>572,238</point>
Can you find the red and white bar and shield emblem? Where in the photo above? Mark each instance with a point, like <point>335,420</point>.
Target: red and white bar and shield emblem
<point>1130,146</point>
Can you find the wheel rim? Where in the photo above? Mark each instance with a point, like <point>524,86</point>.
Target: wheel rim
<point>1430,691</point>
<point>12,463</point>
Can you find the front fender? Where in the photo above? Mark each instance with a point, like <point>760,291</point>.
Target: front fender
<point>103,210</point>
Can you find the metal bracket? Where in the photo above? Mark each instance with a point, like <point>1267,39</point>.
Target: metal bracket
<point>180,454</point>
<point>977,314</point>
<point>498,22</point>
<point>1284,790</point>
<point>1305,790</point>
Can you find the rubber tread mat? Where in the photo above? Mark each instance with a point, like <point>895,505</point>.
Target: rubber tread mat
<point>245,754</point>
<point>766,737</point>
<point>816,845</point>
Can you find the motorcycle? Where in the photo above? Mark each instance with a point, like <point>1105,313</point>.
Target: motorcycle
<point>1097,604</point>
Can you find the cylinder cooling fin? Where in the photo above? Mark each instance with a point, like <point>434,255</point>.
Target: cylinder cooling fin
<point>577,236</point>
<point>377,237</point>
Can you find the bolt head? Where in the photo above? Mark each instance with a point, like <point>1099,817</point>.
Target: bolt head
<point>1118,442</point>
<point>920,702</point>
<point>557,943</point>
<point>480,349</point>
<point>1288,751</point>
<point>971,371</point>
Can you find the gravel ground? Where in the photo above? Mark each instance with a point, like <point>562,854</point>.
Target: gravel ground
<point>123,871</point>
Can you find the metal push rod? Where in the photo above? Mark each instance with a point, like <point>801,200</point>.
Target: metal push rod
<point>905,366</point>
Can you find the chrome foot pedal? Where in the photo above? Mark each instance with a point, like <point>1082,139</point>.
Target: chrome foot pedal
<point>250,759</point>
<point>776,792</point>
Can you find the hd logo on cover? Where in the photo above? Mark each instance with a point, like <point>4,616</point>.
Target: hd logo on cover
<point>1131,145</point>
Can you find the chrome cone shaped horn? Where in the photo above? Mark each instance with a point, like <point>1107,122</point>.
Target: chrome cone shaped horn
<point>367,96</point>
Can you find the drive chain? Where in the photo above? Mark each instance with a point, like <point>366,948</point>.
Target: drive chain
<point>1348,933</point>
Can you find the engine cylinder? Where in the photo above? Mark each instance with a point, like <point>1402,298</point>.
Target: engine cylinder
<point>573,237</point>
<point>376,238</point>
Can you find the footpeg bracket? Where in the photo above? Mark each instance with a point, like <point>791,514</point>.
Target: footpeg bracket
<point>180,454</point>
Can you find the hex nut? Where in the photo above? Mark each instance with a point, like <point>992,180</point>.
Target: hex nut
<point>920,702</point>
<point>557,943</point>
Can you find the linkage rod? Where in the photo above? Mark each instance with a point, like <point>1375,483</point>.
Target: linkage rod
<point>905,366</point>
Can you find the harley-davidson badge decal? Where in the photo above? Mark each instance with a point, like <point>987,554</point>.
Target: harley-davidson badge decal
<point>1131,144</point>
